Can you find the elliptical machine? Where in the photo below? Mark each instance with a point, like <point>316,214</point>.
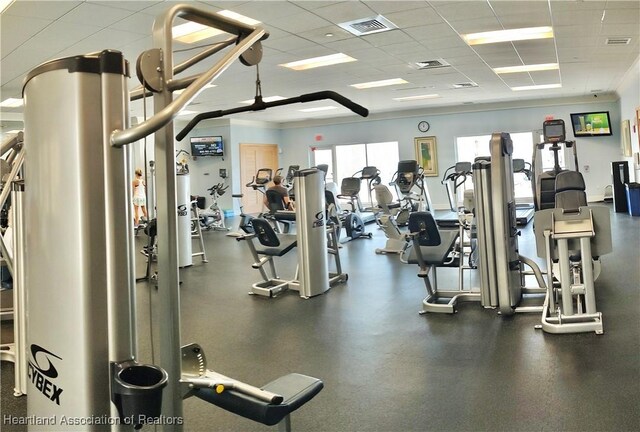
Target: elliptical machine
<point>412,190</point>
<point>544,183</point>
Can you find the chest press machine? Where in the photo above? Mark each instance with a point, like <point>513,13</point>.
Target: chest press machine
<point>82,341</point>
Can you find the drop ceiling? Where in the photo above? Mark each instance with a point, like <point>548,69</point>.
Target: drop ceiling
<point>33,32</point>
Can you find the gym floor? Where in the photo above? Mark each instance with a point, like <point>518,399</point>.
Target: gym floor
<point>385,367</point>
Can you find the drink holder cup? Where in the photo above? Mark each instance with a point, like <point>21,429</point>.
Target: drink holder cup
<point>136,390</point>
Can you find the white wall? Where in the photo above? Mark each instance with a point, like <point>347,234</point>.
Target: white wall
<point>205,170</point>
<point>597,153</point>
<point>629,93</point>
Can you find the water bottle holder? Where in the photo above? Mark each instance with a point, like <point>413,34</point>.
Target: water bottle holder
<point>136,390</point>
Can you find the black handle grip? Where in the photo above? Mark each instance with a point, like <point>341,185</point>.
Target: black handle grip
<point>259,105</point>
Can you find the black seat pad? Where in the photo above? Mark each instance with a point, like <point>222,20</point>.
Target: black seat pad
<point>285,215</point>
<point>436,255</point>
<point>287,242</point>
<point>296,389</point>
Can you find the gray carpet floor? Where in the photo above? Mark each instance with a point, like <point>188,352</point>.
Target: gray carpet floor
<point>385,367</point>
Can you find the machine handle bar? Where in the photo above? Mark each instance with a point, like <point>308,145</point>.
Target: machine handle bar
<point>259,105</point>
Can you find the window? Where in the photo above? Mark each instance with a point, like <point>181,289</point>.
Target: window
<point>347,159</point>
<point>469,148</point>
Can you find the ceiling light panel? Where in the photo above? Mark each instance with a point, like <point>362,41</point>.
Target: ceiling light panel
<point>192,32</point>
<point>381,83</point>
<point>316,109</point>
<point>526,68</point>
<point>315,62</point>
<point>237,17</point>
<point>11,103</point>
<point>536,87</point>
<point>508,35</point>
<point>418,97</point>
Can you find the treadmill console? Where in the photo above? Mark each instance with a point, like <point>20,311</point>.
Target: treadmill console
<point>554,131</point>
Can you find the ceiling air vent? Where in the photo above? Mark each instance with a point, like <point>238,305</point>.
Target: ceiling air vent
<point>618,41</point>
<point>432,64</point>
<point>465,85</point>
<point>367,26</point>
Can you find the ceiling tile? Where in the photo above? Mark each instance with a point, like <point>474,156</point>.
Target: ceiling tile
<point>476,25</point>
<point>312,5</point>
<point>319,35</point>
<point>299,22</point>
<point>266,11</point>
<point>414,17</point>
<point>504,8</point>
<point>17,30</point>
<point>135,23</point>
<point>387,38</point>
<point>129,4</point>
<point>525,20</point>
<point>465,11</point>
<point>345,11</point>
<point>50,10</point>
<point>546,77</point>
<point>388,7</point>
<point>621,30</point>
<point>430,32</point>
<point>100,16</point>
<point>288,43</point>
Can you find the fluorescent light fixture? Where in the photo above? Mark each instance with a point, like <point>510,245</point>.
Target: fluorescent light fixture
<point>4,4</point>
<point>321,108</point>
<point>418,97</point>
<point>193,32</point>
<point>11,103</point>
<point>15,131</point>
<point>177,92</point>
<point>526,68</point>
<point>187,112</point>
<point>382,83</point>
<point>237,17</point>
<point>264,99</point>
<point>315,62</point>
<point>508,35</point>
<point>537,87</point>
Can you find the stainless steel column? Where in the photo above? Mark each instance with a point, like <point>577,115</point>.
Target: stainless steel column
<point>486,244</point>
<point>311,232</point>
<point>19,296</point>
<point>183,205</point>
<point>504,229</point>
<point>77,248</point>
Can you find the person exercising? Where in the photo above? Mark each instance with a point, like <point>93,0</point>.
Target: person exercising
<point>139,198</point>
<point>282,191</point>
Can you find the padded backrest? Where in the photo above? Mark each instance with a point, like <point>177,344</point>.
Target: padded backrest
<point>275,201</point>
<point>424,224</point>
<point>350,186</point>
<point>570,191</point>
<point>569,180</point>
<point>383,195</point>
<point>265,233</point>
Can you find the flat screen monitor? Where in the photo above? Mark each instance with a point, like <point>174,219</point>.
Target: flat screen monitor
<point>207,146</point>
<point>591,124</point>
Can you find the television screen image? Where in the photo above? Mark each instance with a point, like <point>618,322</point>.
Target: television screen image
<point>207,146</point>
<point>591,124</point>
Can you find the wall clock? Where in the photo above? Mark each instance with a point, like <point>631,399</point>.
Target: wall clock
<point>423,126</point>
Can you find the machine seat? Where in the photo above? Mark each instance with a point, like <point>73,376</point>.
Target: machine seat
<point>271,243</point>
<point>436,255</point>
<point>435,245</point>
<point>296,389</point>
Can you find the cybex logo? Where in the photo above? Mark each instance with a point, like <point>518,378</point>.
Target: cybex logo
<point>42,367</point>
<point>182,210</point>
<point>319,220</point>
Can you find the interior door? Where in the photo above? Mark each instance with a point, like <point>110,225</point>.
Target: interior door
<point>252,158</point>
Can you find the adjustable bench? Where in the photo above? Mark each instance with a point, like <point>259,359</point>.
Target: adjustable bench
<point>270,404</point>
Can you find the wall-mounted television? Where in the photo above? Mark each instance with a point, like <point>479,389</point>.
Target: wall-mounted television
<point>207,146</point>
<point>589,124</point>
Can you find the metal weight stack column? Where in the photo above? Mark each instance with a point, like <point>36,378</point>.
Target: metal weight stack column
<point>486,245</point>
<point>313,273</point>
<point>79,260</point>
